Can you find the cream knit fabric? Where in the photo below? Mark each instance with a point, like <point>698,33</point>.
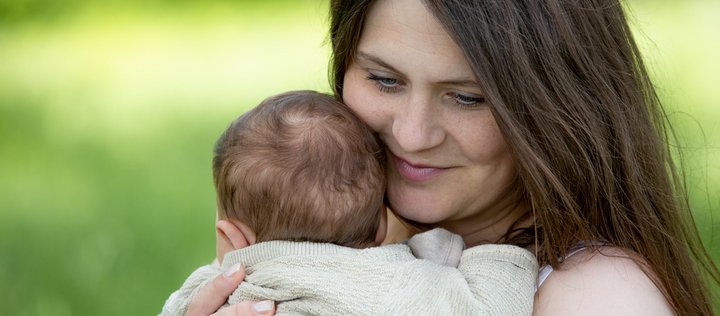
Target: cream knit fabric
<point>325,279</point>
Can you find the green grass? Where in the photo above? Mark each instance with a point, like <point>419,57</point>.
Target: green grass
<point>108,115</point>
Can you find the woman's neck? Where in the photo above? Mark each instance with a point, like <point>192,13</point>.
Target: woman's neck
<point>481,229</point>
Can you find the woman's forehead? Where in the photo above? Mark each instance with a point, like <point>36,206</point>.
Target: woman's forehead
<point>406,21</point>
<point>405,35</point>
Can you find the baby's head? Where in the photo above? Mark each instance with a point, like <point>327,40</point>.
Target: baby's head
<point>302,167</point>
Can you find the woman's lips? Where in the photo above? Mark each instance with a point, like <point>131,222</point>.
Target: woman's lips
<point>416,173</point>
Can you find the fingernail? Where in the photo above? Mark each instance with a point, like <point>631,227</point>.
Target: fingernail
<point>263,307</point>
<point>232,270</point>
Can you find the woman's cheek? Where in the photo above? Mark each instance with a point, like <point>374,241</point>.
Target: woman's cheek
<point>363,99</point>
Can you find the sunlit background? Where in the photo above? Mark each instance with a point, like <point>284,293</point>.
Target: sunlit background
<point>109,110</point>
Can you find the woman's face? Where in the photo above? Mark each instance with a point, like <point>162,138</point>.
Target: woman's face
<point>448,162</point>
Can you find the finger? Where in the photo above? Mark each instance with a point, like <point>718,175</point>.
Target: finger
<point>262,308</point>
<point>210,298</point>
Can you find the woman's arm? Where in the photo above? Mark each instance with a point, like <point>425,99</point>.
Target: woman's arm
<point>602,282</point>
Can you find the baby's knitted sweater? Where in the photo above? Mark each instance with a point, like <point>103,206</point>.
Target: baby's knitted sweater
<point>306,278</point>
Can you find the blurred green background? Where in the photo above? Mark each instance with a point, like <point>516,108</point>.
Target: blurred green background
<point>109,110</point>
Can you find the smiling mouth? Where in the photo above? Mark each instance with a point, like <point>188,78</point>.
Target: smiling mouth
<point>416,173</point>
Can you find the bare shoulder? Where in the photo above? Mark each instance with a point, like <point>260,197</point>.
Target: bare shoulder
<point>602,282</point>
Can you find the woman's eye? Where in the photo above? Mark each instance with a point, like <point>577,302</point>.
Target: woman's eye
<point>385,84</point>
<point>467,100</point>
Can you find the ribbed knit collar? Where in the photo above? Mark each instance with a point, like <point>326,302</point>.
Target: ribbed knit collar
<point>268,250</point>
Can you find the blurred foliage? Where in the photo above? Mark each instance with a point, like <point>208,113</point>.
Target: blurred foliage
<point>109,110</point>
<point>20,11</point>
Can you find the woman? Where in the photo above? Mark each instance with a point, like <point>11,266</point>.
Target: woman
<point>525,122</point>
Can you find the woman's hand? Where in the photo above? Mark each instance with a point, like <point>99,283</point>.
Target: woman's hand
<point>209,300</point>
<point>248,308</point>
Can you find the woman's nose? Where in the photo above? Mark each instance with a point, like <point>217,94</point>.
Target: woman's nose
<point>417,127</point>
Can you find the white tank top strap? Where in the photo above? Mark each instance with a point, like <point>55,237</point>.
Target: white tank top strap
<point>545,271</point>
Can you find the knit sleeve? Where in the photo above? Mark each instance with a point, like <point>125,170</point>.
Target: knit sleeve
<point>501,278</point>
<point>177,303</point>
<point>439,246</point>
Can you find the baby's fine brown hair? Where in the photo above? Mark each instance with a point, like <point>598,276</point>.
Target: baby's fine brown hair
<point>301,166</point>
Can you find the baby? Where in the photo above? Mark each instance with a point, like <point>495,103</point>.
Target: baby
<point>300,184</point>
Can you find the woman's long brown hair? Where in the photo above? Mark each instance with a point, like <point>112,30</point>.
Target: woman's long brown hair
<point>574,101</point>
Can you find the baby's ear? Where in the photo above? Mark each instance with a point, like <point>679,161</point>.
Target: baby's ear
<point>235,233</point>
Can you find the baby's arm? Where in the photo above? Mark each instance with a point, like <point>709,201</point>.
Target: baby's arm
<point>177,303</point>
<point>501,277</point>
<point>439,246</point>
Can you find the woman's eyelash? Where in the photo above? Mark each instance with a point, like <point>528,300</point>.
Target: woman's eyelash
<point>384,84</point>
<point>392,85</point>
<point>467,101</point>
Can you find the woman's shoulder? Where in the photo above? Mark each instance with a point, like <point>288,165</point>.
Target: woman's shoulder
<point>604,281</point>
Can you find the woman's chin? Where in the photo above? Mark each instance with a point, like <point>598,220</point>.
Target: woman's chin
<point>422,215</point>
<point>416,206</point>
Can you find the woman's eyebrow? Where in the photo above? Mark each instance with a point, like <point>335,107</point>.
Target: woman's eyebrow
<point>462,81</point>
<point>374,59</point>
